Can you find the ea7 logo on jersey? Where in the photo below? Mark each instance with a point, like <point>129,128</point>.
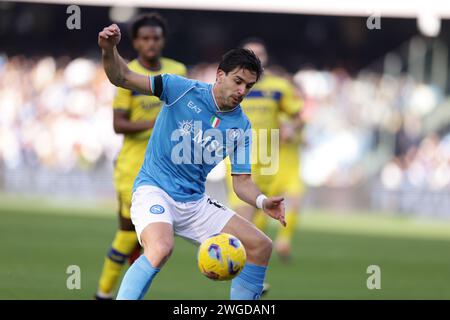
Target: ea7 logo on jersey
<point>193,107</point>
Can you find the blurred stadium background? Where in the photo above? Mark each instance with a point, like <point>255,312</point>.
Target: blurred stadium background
<point>376,158</point>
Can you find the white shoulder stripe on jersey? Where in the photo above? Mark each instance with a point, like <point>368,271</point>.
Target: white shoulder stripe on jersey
<point>152,89</point>
<point>181,96</point>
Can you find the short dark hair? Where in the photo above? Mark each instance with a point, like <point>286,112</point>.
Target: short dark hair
<point>152,19</point>
<point>241,58</point>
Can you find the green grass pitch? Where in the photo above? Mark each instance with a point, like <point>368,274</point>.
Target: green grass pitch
<point>331,256</point>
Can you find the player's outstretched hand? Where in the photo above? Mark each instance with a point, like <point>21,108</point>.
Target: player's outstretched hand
<point>109,37</point>
<point>274,207</point>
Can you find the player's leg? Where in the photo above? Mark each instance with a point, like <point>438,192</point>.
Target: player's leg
<point>157,240</point>
<point>284,237</point>
<point>260,220</point>
<point>288,182</point>
<point>199,220</point>
<point>248,212</point>
<point>136,253</point>
<point>248,285</point>
<point>245,211</point>
<point>123,244</point>
<point>152,218</point>
<point>266,184</point>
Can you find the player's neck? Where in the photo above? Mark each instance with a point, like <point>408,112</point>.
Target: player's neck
<point>153,65</point>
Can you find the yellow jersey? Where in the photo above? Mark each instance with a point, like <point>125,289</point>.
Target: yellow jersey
<point>271,101</point>
<point>139,107</point>
<point>269,98</point>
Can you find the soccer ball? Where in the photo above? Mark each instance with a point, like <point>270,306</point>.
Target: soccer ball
<point>221,257</point>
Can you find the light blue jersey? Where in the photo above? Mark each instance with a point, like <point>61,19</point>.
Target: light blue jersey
<point>190,137</point>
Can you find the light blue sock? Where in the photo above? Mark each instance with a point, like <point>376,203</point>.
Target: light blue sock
<point>137,280</point>
<point>249,283</point>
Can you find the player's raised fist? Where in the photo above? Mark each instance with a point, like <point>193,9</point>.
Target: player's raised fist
<point>109,37</point>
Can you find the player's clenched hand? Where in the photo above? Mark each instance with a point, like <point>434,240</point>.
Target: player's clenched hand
<point>274,207</point>
<point>109,37</point>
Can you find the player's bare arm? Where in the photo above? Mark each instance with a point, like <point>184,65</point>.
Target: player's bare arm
<point>123,125</point>
<point>115,67</point>
<point>247,191</point>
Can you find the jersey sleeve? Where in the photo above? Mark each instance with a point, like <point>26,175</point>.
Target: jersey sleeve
<point>240,158</point>
<point>169,87</point>
<point>122,99</point>
<point>290,102</point>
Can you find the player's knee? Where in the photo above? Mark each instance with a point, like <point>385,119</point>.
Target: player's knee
<point>261,249</point>
<point>163,249</point>
<point>265,246</point>
<point>159,252</point>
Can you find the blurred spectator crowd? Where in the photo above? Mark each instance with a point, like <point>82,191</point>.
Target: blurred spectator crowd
<point>55,113</point>
<point>356,125</point>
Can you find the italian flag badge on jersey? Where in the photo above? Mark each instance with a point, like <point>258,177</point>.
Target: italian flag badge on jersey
<point>214,121</point>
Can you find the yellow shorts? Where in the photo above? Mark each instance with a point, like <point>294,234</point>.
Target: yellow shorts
<point>126,168</point>
<point>286,182</point>
<point>123,184</point>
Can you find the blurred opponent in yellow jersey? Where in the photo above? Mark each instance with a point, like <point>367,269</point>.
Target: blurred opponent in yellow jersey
<point>139,107</point>
<point>271,102</point>
<point>134,116</point>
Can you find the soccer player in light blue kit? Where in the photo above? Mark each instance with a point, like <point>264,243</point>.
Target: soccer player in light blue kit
<point>198,126</point>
